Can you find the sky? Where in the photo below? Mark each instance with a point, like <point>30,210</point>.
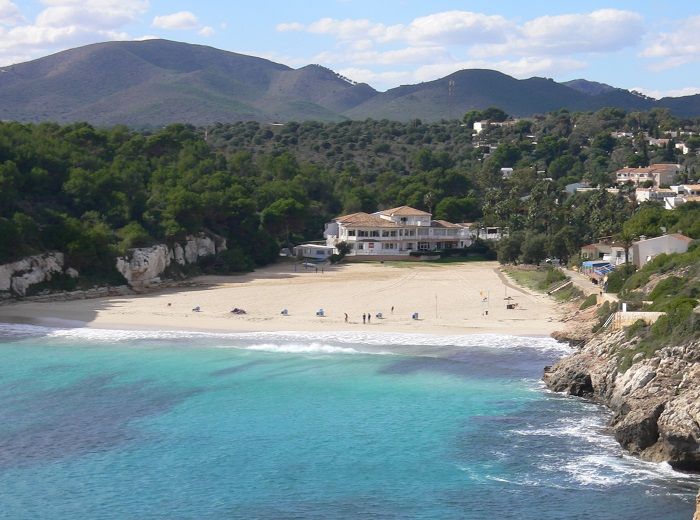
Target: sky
<point>649,46</point>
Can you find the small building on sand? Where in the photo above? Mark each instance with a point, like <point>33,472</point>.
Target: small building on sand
<point>314,252</point>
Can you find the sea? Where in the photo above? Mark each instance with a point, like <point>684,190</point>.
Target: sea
<point>107,424</point>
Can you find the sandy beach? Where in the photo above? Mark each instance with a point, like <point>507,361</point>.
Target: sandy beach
<point>456,298</point>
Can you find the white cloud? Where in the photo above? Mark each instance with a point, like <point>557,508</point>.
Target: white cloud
<point>408,55</point>
<point>66,23</point>
<point>9,13</point>
<point>389,78</point>
<point>289,27</point>
<point>488,35</point>
<point>677,48</point>
<point>180,20</point>
<point>455,28</point>
<point>206,31</point>
<point>677,92</point>
<point>605,30</point>
<point>348,29</point>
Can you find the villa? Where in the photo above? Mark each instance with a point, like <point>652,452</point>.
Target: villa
<point>395,232</point>
<point>658,174</point>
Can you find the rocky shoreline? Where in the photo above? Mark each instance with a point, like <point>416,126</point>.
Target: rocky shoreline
<point>656,400</point>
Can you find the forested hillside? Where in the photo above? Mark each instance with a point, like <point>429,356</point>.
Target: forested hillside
<point>153,83</point>
<point>93,193</point>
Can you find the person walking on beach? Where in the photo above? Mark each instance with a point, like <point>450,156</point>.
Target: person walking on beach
<point>392,309</point>
<point>369,317</point>
<point>364,318</point>
<point>346,317</point>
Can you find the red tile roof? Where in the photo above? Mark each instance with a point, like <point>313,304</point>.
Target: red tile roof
<point>365,220</point>
<point>404,211</point>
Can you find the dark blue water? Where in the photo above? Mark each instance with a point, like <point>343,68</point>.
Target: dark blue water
<point>103,424</point>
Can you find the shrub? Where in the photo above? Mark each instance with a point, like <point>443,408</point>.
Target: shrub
<point>617,279</point>
<point>590,301</point>
<point>635,329</point>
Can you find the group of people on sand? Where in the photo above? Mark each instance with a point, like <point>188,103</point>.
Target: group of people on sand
<point>366,316</point>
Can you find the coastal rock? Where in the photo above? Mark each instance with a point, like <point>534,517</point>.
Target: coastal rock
<point>638,429</point>
<point>179,254</point>
<point>144,266</point>
<point>17,277</point>
<point>697,508</point>
<point>656,400</point>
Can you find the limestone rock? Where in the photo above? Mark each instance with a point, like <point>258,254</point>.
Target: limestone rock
<point>179,254</point>
<point>656,400</point>
<point>142,266</point>
<point>17,277</point>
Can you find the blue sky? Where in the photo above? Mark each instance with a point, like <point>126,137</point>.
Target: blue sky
<point>649,46</point>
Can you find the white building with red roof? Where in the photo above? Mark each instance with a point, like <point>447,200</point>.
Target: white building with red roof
<point>662,174</point>
<point>395,232</point>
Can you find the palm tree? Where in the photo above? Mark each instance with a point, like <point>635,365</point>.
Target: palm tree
<point>626,239</point>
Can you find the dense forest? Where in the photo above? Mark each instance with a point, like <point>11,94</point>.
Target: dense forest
<point>94,193</point>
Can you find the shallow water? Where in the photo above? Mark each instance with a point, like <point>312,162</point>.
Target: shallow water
<point>119,424</point>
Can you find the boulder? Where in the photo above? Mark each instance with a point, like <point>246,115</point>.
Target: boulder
<point>142,266</point>
<point>638,429</point>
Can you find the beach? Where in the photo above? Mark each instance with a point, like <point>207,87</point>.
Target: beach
<point>449,298</point>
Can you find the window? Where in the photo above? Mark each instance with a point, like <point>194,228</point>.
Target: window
<point>409,246</point>
<point>392,233</point>
<point>374,233</point>
<point>385,233</point>
<point>351,233</point>
<point>360,245</point>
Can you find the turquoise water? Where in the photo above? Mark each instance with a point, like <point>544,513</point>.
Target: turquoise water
<point>107,424</point>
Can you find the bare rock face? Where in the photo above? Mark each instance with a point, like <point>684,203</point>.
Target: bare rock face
<point>142,267</point>
<point>656,400</point>
<point>697,508</point>
<point>17,277</point>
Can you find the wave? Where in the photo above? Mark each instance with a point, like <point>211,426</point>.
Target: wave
<point>608,466</point>
<point>305,348</point>
<point>333,339</point>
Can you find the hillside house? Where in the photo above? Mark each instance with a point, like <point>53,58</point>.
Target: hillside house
<point>607,252</point>
<point>647,250</point>
<point>653,195</point>
<point>660,174</point>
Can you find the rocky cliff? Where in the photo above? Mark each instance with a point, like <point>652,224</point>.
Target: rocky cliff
<point>17,277</point>
<point>143,267</point>
<point>656,400</point>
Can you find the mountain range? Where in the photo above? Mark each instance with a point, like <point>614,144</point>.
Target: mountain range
<point>157,82</point>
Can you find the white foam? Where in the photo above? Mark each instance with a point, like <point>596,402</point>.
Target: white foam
<point>493,341</point>
<point>589,429</point>
<point>298,348</point>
